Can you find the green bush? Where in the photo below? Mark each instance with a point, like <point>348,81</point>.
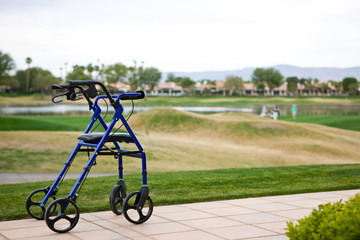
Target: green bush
<point>329,221</point>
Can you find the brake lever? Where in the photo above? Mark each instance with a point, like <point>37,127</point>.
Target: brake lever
<point>59,95</point>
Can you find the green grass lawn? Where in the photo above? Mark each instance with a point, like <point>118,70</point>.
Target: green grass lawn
<point>79,123</point>
<point>343,122</point>
<point>193,186</point>
<point>44,123</point>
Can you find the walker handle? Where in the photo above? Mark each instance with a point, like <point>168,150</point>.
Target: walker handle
<point>92,83</point>
<point>125,96</point>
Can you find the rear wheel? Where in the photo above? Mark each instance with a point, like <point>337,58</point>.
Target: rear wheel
<point>117,197</point>
<point>33,202</point>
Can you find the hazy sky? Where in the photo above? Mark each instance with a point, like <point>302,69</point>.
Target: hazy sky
<point>183,35</point>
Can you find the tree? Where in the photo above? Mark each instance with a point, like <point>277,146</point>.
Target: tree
<point>43,80</point>
<point>170,77</point>
<point>133,77</point>
<point>78,73</point>
<point>116,73</point>
<point>336,85</point>
<point>234,84</point>
<point>271,77</point>
<point>28,61</point>
<point>90,69</point>
<point>151,77</point>
<point>350,85</point>
<point>6,64</point>
<point>186,83</point>
<point>292,83</point>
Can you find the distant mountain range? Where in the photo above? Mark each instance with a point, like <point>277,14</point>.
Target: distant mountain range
<point>322,73</point>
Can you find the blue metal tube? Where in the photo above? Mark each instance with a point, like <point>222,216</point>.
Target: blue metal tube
<point>144,171</point>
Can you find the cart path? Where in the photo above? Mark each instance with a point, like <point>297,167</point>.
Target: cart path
<point>249,218</point>
<point>6,178</point>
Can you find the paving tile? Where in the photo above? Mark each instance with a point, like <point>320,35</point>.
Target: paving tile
<point>208,205</point>
<point>350,193</point>
<point>25,223</point>
<point>284,198</point>
<point>142,238</point>
<point>321,195</point>
<point>192,235</point>
<point>106,224</point>
<point>103,234</point>
<point>105,215</point>
<point>89,217</point>
<point>160,228</point>
<point>83,226</point>
<point>127,232</point>
<point>28,232</point>
<point>170,209</point>
<point>240,232</point>
<point>211,223</point>
<point>235,210</point>
<point>246,201</point>
<point>309,203</point>
<point>177,216</point>
<point>258,218</point>
<point>269,207</point>
<point>156,219</point>
<point>294,214</point>
<point>275,237</point>
<point>122,222</point>
<point>333,200</point>
<point>67,236</point>
<point>278,227</point>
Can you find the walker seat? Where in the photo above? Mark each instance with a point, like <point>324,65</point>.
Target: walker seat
<point>96,137</point>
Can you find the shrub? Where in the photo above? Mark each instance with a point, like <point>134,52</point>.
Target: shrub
<point>329,221</point>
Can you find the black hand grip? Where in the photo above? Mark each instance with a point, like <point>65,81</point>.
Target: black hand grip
<point>83,82</point>
<point>59,86</point>
<point>128,97</point>
<point>92,82</point>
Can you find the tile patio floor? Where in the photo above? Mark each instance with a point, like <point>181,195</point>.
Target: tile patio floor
<point>252,218</point>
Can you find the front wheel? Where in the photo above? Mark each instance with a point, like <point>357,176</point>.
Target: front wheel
<point>62,215</point>
<point>134,212</point>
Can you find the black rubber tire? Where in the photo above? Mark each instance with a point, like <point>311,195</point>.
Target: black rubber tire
<point>66,207</point>
<point>30,203</point>
<point>131,204</point>
<point>117,197</point>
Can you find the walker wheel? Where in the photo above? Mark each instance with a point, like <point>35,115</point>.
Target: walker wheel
<point>117,196</point>
<point>62,215</point>
<point>33,202</point>
<point>135,213</point>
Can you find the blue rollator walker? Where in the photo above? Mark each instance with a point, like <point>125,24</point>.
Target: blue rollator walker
<point>62,214</point>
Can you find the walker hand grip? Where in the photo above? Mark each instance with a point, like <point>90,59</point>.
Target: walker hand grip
<point>60,86</point>
<point>92,83</point>
<point>132,97</point>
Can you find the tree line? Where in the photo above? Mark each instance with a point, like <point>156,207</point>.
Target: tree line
<point>36,79</point>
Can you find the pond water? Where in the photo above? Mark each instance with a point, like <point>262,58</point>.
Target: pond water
<point>67,109</point>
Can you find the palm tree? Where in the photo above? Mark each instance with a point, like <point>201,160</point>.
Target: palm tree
<point>28,61</point>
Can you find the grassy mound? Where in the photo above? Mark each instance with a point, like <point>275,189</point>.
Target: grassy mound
<point>176,140</point>
<point>223,125</point>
